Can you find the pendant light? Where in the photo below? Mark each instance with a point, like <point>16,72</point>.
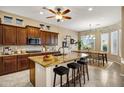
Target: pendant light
<point>91,36</point>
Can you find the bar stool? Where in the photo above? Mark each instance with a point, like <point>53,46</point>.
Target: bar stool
<point>61,70</point>
<point>75,66</point>
<point>84,64</point>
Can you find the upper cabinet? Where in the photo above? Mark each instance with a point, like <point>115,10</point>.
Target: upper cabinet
<point>54,38</point>
<point>33,32</point>
<point>43,39</point>
<point>9,35</point>
<point>1,35</point>
<point>48,38</point>
<point>21,36</point>
<point>14,35</point>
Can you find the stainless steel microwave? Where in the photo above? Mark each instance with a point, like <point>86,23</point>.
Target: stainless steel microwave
<point>34,41</point>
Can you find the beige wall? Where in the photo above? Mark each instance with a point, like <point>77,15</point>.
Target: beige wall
<point>62,31</point>
<point>122,32</point>
<point>98,33</point>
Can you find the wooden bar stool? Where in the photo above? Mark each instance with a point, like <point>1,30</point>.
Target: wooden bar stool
<point>61,70</point>
<point>75,66</point>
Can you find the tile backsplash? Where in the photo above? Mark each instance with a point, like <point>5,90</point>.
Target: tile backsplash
<point>37,48</point>
<point>29,48</point>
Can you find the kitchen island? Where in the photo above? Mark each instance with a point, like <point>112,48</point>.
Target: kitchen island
<point>41,72</point>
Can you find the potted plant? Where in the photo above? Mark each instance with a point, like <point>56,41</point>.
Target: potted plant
<point>79,44</point>
<point>104,47</point>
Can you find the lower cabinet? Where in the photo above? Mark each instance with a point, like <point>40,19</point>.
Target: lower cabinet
<point>23,62</point>
<point>1,66</point>
<point>9,64</point>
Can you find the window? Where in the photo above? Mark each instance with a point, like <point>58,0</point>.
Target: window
<point>8,19</point>
<point>88,42</point>
<point>114,42</point>
<point>105,42</point>
<point>19,21</point>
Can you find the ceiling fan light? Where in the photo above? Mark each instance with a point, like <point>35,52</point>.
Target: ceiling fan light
<point>58,17</point>
<point>62,20</point>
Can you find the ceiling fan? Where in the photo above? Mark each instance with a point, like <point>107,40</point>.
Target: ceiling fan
<point>59,15</point>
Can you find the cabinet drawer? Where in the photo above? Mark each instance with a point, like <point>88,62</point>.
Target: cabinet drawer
<point>10,58</point>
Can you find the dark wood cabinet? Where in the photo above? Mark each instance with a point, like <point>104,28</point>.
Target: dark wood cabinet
<point>1,66</point>
<point>1,35</point>
<point>48,38</point>
<point>42,35</point>
<point>54,38</point>
<point>9,35</point>
<point>21,36</point>
<point>14,35</point>
<point>33,32</point>
<point>23,62</point>
<point>9,64</point>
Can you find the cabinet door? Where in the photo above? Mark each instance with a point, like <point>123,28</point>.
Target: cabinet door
<point>1,66</point>
<point>21,36</point>
<point>36,32</point>
<point>1,35</point>
<point>56,39</point>
<point>23,62</point>
<point>9,35</point>
<point>48,38</point>
<point>43,39</point>
<point>52,39</point>
<point>33,32</point>
<point>10,64</point>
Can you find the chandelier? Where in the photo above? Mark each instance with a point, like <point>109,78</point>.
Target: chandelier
<point>91,36</point>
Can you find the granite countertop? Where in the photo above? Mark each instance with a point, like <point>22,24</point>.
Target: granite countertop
<point>1,55</point>
<point>57,59</point>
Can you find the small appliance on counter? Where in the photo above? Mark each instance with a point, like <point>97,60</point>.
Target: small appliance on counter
<point>7,51</point>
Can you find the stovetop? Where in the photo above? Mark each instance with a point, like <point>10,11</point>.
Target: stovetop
<point>33,51</point>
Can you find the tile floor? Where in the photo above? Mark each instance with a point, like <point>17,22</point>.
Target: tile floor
<point>109,77</point>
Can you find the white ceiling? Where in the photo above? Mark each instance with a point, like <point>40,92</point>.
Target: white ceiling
<point>81,17</point>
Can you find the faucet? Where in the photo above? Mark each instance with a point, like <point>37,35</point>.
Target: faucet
<point>63,50</point>
<point>45,48</point>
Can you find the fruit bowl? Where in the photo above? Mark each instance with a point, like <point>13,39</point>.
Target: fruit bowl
<point>48,58</point>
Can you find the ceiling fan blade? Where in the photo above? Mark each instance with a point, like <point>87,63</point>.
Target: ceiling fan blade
<point>67,17</point>
<point>52,11</point>
<point>66,11</point>
<point>50,17</point>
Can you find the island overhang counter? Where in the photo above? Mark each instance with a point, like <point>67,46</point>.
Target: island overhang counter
<point>41,72</point>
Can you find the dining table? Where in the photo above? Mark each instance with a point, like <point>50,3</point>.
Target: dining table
<point>99,53</point>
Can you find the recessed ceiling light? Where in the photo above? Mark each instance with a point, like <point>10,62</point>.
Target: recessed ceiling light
<point>41,13</point>
<point>90,9</point>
